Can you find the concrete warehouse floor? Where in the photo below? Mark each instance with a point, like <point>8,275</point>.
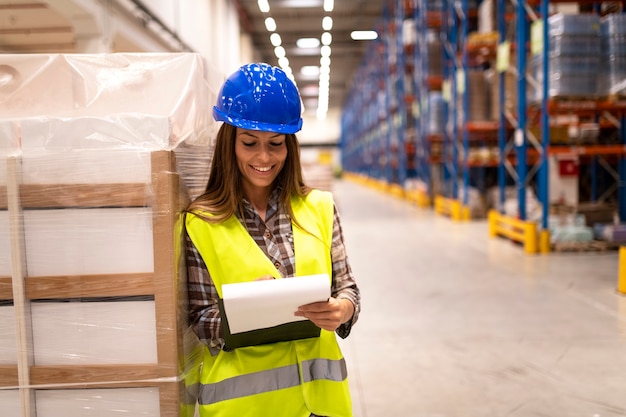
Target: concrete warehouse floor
<point>458,324</point>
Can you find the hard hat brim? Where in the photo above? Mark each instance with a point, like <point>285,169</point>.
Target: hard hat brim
<point>255,125</point>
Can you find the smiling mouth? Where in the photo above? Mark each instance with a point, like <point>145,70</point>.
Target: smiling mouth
<point>262,169</point>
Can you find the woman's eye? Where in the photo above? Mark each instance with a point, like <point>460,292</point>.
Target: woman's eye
<point>276,144</point>
<point>248,144</point>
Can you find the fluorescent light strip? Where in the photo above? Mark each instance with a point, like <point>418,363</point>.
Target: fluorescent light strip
<point>363,35</point>
<point>325,52</point>
<point>327,23</point>
<point>275,39</point>
<point>270,24</point>
<point>264,6</point>
<point>327,38</point>
<point>305,43</point>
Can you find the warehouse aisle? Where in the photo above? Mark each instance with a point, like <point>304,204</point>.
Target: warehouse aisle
<point>457,324</point>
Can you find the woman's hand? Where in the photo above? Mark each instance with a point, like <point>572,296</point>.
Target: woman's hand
<point>264,278</point>
<point>328,315</point>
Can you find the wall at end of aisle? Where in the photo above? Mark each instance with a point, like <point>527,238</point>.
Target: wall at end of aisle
<point>316,131</point>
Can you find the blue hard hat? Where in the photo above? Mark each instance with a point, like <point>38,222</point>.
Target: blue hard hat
<point>259,97</point>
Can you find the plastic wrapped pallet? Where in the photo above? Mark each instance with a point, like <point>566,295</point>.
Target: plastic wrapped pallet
<point>98,156</point>
<point>614,53</point>
<point>574,58</point>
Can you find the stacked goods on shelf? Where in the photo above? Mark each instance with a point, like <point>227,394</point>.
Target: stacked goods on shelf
<point>92,281</point>
<point>510,95</point>
<point>614,51</point>
<point>574,54</point>
<point>436,121</point>
<point>434,55</point>
<point>484,42</point>
<point>437,5</point>
<point>434,5</point>
<point>477,90</point>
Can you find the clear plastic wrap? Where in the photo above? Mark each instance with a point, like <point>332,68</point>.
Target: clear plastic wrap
<point>614,50</point>
<point>575,59</point>
<point>98,156</point>
<point>574,24</point>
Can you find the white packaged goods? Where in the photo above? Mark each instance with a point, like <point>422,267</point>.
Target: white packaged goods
<point>101,335</point>
<point>133,402</point>
<point>99,154</point>
<point>8,346</point>
<point>5,253</point>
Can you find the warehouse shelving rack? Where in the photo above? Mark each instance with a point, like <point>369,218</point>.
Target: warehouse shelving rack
<point>363,119</point>
<point>523,156</point>
<point>451,90</point>
<point>427,144</point>
<point>378,123</point>
<point>396,92</point>
<point>462,133</point>
<point>385,130</point>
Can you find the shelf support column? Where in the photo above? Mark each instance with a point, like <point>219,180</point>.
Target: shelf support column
<point>521,144</point>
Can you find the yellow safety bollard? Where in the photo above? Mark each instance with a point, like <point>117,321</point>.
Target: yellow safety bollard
<point>530,234</point>
<point>455,210</point>
<point>544,241</point>
<point>492,217</point>
<point>621,276</point>
<point>466,214</point>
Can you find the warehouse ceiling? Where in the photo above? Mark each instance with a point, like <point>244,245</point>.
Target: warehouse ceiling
<point>44,26</point>
<point>297,19</point>
<point>33,27</point>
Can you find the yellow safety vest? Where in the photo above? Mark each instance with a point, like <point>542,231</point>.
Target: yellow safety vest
<point>284,379</point>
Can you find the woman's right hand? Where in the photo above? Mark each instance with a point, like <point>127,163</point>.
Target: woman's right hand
<point>265,278</point>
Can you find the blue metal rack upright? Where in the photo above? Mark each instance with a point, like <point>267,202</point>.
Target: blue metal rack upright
<point>450,34</point>
<point>422,144</point>
<point>381,145</point>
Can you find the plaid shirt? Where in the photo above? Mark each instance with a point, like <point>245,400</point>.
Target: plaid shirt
<point>275,238</point>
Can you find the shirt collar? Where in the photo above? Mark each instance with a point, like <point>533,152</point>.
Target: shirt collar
<point>273,203</point>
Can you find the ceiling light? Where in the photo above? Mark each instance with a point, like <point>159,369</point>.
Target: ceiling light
<point>283,62</point>
<point>264,6</point>
<point>275,39</point>
<point>363,35</point>
<point>308,43</point>
<point>327,23</point>
<point>310,70</point>
<point>270,24</point>
<point>329,5</point>
<point>280,52</point>
<point>325,50</point>
<point>327,38</point>
<point>325,61</point>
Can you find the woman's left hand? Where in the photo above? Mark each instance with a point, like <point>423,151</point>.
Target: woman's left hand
<point>328,315</point>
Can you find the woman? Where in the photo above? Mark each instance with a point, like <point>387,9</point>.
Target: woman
<point>257,220</point>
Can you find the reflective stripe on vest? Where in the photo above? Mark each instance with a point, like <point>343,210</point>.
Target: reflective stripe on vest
<point>272,379</point>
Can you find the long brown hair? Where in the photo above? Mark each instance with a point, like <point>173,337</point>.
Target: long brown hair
<point>223,196</point>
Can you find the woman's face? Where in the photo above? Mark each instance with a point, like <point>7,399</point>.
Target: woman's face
<point>260,157</point>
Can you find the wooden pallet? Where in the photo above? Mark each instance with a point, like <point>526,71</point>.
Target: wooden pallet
<point>166,198</point>
<point>591,246</point>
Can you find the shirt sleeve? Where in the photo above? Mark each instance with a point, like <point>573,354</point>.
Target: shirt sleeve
<point>344,285</point>
<point>204,315</point>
